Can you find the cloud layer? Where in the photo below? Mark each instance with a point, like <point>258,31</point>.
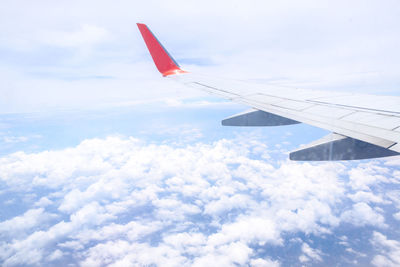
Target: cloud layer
<point>121,201</point>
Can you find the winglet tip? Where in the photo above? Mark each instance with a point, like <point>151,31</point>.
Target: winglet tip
<point>164,62</point>
<point>174,72</point>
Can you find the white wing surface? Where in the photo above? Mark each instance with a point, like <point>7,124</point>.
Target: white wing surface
<point>362,126</point>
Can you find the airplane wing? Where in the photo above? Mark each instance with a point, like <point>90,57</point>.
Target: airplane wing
<point>361,126</point>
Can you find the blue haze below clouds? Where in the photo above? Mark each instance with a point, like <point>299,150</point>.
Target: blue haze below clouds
<point>61,129</point>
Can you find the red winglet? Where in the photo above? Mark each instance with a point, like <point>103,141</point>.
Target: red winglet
<point>164,62</point>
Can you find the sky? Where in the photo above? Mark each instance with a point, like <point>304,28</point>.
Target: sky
<point>103,162</point>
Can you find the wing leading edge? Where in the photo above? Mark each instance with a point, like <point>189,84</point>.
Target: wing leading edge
<point>362,126</point>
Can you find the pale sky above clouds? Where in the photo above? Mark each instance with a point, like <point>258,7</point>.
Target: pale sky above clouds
<point>105,163</point>
<point>89,53</point>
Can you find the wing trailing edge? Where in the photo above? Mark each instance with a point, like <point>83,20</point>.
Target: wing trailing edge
<point>254,117</point>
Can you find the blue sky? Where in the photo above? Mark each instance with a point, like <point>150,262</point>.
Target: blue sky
<point>105,163</point>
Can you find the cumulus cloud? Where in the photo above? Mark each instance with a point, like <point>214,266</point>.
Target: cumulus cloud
<point>264,263</point>
<point>389,250</point>
<point>361,178</point>
<point>362,214</point>
<point>309,254</point>
<point>362,196</point>
<point>121,201</point>
<point>18,225</point>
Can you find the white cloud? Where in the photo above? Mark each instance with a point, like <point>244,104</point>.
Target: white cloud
<point>364,176</point>
<point>389,250</point>
<point>189,242</point>
<point>232,254</point>
<point>310,254</point>
<point>264,263</point>
<point>18,225</point>
<point>359,254</point>
<point>394,196</point>
<point>247,229</point>
<point>225,204</point>
<point>57,254</point>
<point>122,253</point>
<point>362,214</point>
<point>43,202</point>
<point>362,196</point>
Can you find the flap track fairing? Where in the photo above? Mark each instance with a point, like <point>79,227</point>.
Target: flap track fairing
<point>338,147</point>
